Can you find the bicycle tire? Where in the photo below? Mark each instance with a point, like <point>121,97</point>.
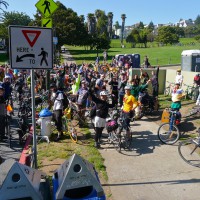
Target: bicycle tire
<point>115,140</point>
<point>7,128</point>
<point>126,141</point>
<point>75,117</point>
<point>64,125</point>
<point>72,131</point>
<point>192,112</point>
<point>166,136</point>
<point>167,91</point>
<point>189,151</point>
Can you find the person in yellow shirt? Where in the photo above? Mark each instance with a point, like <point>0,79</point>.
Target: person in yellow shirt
<point>129,105</point>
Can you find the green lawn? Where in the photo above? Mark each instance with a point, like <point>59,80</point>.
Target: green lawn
<point>157,55</point>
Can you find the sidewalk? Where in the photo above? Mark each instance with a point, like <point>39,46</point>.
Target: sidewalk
<point>152,171</point>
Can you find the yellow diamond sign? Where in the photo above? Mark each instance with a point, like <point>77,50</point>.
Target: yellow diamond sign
<point>47,22</point>
<point>46,7</point>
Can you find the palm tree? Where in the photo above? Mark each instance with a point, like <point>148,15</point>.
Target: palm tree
<point>110,22</point>
<point>123,16</point>
<point>4,3</point>
<point>91,23</point>
<point>82,18</point>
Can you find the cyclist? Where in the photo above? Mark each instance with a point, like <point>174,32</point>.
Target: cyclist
<point>129,105</point>
<point>102,107</point>
<point>82,98</point>
<point>57,101</point>
<point>177,95</point>
<point>2,113</point>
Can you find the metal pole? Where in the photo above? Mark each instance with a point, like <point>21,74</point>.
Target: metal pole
<point>33,118</point>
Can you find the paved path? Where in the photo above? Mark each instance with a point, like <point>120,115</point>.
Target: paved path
<point>68,58</point>
<point>152,171</point>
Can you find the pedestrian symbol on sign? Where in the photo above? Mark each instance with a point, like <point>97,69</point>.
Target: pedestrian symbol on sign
<point>47,5</point>
<point>44,55</point>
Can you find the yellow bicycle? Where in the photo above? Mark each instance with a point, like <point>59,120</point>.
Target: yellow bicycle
<point>68,125</point>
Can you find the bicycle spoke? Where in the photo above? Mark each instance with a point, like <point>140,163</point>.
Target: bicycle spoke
<point>190,152</point>
<point>168,136</point>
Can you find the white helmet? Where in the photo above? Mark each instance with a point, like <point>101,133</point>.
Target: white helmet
<point>127,87</point>
<point>103,93</point>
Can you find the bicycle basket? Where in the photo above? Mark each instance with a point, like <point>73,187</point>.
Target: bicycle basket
<point>111,125</point>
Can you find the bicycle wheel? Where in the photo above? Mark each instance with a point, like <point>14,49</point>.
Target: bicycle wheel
<point>167,91</point>
<point>126,140</point>
<point>72,131</point>
<point>115,139</point>
<point>7,129</point>
<point>189,151</point>
<point>166,136</point>
<point>64,125</point>
<point>75,117</point>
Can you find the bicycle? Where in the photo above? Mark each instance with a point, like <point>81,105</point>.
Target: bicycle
<point>190,92</point>
<point>169,88</point>
<point>189,150</point>
<point>195,111</point>
<point>68,126</point>
<point>75,114</point>
<point>168,132</point>
<point>7,129</point>
<point>118,136</point>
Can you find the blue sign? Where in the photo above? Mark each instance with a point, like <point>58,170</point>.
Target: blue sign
<point>55,40</point>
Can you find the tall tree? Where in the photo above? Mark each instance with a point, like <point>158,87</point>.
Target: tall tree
<point>123,16</point>
<point>110,22</point>
<point>91,21</point>
<point>4,3</point>
<point>197,20</point>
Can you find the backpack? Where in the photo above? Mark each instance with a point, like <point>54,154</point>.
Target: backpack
<point>111,125</point>
<point>65,100</point>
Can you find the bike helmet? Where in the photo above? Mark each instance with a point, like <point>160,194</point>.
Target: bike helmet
<point>127,87</point>
<point>103,93</point>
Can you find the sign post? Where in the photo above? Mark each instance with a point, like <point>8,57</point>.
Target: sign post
<point>31,48</point>
<point>47,8</point>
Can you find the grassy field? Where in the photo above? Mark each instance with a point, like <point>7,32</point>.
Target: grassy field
<point>163,55</point>
<point>158,55</point>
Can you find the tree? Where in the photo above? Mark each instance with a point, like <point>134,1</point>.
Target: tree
<point>151,26</point>
<point>116,25</point>
<point>12,18</point>
<point>4,3</point>
<point>110,22</point>
<point>91,22</point>
<point>133,37</point>
<point>167,35</point>
<point>123,16</point>
<point>197,21</point>
<point>141,25</point>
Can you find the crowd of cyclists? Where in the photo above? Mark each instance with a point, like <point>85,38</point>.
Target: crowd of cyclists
<point>106,85</point>
<point>83,84</point>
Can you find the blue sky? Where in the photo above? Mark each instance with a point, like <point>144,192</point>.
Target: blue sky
<point>157,11</point>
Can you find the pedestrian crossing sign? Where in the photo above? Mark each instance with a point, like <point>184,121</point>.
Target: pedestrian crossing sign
<point>46,7</point>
